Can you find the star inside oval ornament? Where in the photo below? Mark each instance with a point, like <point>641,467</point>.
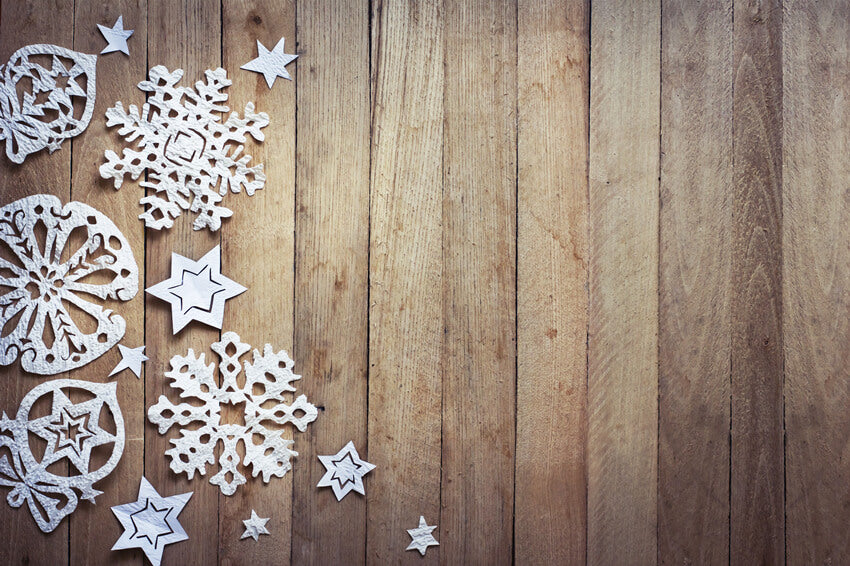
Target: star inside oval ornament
<point>271,64</point>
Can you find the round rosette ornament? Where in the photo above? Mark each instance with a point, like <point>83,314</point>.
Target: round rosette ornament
<point>56,264</point>
<point>76,432</point>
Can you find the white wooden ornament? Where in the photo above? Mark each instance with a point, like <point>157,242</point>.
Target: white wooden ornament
<point>44,116</point>
<point>191,157</point>
<point>268,378</point>
<point>51,279</point>
<point>71,431</point>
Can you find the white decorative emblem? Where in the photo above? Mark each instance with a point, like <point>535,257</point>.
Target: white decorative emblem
<point>345,471</point>
<point>192,158</point>
<point>271,64</point>
<point>422,537</point>
<point>44,116</point>
<point>255,526</point>
<point>71,431</point>
<point>57,259</point>
<point>266,382</point>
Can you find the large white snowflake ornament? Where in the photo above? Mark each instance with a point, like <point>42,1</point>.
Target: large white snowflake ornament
<point>54,261</point>
<point>263,391</point>
<point>192,158</point>
<point>37,103</point>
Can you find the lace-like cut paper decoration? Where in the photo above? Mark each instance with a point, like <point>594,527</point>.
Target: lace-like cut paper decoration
<point>71,431</point>
<point>44,116</point>
<point>266,381</point>
<point>53,261</point>
<point>191,156</point>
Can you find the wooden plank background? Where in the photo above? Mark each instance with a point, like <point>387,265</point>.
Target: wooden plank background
<point>574,276</point>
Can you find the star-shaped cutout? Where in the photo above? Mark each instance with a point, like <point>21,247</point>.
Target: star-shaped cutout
<point>132,359</point>
<point>271,64</point>
<point>196,290</point>
<point>255,526</point>
<point>150,522</point>
<point>345,471</point>
<point>422,537</point>
<point>116,37</point>
<point>71,431</point>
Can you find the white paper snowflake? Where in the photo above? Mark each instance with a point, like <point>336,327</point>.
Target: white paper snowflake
<point>43,115</point>
<point>57,259</point>
<point>71,431</point>
<point>192,158</point>
<point>266,381</point>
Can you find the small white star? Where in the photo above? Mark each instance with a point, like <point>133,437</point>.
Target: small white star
<point>116,37</point>
<point>151,522</point>
<point>271,64</point>
<point>196,290</point>
<point>132,359</point>
<point>345,471</point>
<point>255,526</point>
<point>422,537</point>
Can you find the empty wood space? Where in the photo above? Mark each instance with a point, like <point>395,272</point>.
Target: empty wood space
<point>574,276</point>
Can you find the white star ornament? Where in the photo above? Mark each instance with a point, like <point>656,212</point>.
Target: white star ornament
<point>255,526</point>
<point>271,64</point>
<point>132,359</point>
<point>345,471</point>
<point>422,537</point>
<point>116,37</point>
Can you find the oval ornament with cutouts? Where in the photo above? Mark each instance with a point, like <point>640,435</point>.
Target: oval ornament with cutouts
<point>58,265</point>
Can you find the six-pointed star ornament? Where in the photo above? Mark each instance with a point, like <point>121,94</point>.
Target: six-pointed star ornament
<point>422,537</point>
<point>345,471</point>
<point>116,37</point>
<point>196,290</point>
<point>271,64</point>
<point>255,526</point>
<point>132,359</point>
<point>151,522</point>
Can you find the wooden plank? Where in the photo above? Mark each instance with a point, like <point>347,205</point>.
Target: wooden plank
<point>405,316</point>
<point>23,23</point>
<point>816,275</point>
<point>332,269</point>
<point>757,474</point>
<point>183,34</point>
<point>694,274</point>
<point>479,285</point>
<point>551,482</point>
<point>623,327</point>
<point>258,251</point>
<point>94,528</point>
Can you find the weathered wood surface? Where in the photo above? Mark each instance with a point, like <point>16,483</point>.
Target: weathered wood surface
<point>573,276</point>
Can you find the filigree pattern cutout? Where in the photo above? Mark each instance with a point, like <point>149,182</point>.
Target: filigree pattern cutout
<point>263,388</point>
<point>53,260</point>
<point>44,116</point>
<point>192,158</point>
<point>71,431</point>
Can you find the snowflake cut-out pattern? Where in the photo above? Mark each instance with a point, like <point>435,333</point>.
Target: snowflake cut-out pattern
<point>71,432</point>
<point>262,389</point>
<point>53,261</point>
<point>43,115</point>
<point>192,158</point>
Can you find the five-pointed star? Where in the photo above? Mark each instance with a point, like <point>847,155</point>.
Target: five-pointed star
<point>131,358</point>
<point>116,37</point>
<point>71,431</point>
<point>151,522</point>
<point>271,64</point>
<point>255,526</point>
<point>345,471</point>
<point>196,290</point>
<point>422,537</point>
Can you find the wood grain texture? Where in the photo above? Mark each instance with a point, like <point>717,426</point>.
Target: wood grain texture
<point>816,275</point>
<point>694,274</point>
<point>183,34</point>
<point>552,77</point>
<point>623,326</point>
<point>331,267</point>
<point>406,273</point>
<point>757,474</point>
<point>23,23</point>
<point>479,282</point>
<point>256,241</point>
<point>117,75</point>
